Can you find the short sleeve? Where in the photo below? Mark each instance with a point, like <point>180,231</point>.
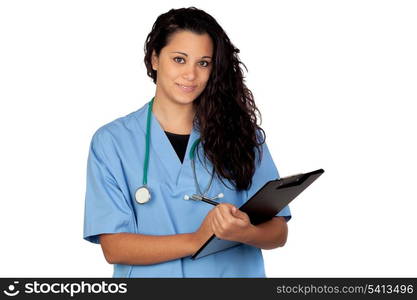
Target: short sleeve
<point>264,172</point>
<point>106,208</point>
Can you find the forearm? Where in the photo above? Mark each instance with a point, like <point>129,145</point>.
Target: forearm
<point>139,249</point>
<point>268,235</point>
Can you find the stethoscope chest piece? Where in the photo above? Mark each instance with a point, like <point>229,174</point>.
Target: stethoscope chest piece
<point>142,195</point>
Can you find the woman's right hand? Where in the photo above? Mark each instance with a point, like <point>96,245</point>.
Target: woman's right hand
<point>204,232</point>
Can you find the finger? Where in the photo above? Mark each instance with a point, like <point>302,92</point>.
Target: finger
<point>228,221</point>
<point>215,224</point>
<point>240,218</point>
<point>240,222</point>
<point>227,209</point>
<point>212,225</point>
<point>239,214</point>
<point>226,214</point>
<point>220,218</point>
<point>233,213</point>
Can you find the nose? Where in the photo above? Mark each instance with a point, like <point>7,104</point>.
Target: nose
<point>190,73</point>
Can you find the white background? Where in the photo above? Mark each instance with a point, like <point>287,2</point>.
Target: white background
<point>335,82</point>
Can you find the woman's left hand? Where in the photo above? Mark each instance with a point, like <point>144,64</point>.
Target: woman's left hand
<point>230,223</point>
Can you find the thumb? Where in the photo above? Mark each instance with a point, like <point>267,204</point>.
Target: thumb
<point>236,212</point>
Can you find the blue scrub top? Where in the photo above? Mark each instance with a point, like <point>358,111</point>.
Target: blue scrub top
<point>114,172</point>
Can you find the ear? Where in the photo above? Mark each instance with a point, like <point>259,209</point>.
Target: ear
<point>155,61</point>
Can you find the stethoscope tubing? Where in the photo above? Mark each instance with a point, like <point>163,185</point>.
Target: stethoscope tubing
<point>146,190</point>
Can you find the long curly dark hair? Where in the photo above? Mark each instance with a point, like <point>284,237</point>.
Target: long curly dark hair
<point>226,114</point>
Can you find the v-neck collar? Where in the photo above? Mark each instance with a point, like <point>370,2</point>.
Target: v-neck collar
<point>160,144</point>
<point>179,142</point>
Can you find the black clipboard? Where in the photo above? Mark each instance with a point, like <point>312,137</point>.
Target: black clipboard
<point>264,205</point>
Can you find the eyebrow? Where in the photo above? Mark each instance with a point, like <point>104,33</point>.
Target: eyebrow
<point>185,54</point>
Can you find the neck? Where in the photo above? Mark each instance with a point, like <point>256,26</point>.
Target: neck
<point>174,117</point>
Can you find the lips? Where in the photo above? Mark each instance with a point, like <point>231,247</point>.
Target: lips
<point>187,88</point>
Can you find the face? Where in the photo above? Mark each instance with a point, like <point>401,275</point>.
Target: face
<point>183,67</point>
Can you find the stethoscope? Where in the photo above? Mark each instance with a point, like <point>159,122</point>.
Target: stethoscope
<point>143,193</point>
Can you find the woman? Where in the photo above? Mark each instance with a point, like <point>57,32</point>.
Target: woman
<point>202,114</point>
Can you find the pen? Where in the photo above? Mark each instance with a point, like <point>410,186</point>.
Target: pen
<point>204,199</point>
<point>209,201</point>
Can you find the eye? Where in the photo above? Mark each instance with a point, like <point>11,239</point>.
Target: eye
<point>204,63</point>
<point>178,58</point>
